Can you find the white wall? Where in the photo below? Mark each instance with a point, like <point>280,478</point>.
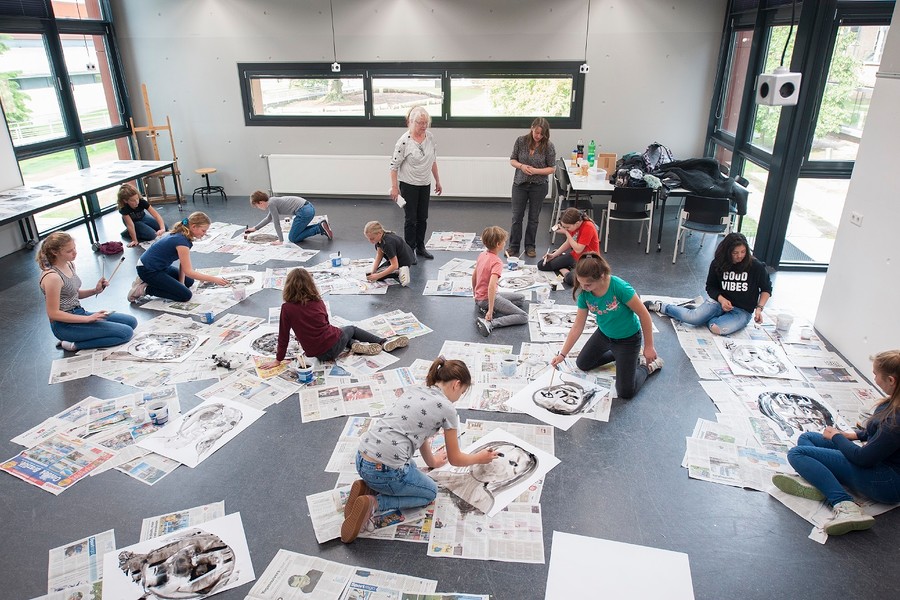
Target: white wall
<point>857,309</point>
<point>652,69</point>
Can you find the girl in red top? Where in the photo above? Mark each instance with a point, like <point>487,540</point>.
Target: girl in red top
<point>304,313</point>
<point>581,237</point>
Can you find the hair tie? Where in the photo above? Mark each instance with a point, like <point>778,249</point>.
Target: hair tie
<point>184,222</point>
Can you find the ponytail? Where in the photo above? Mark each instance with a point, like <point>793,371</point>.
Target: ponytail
<point>50,249</point>
<point>590,266</point>
<point>184,226</point>
<point>443,370</point>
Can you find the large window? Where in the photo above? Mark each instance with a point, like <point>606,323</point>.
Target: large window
<point>456,95</point>
<point>63,94</point>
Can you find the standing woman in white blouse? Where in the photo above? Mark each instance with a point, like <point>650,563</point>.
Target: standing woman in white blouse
<point>413,165</point>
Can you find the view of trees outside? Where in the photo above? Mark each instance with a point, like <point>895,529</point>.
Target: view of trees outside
<point>488,97</point>
<point>510,97</point>
<point>818,204</point>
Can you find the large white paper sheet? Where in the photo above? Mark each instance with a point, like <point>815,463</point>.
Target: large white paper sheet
<point>569,398</point>
<point>491,487</point>
<point>216,553</point>
<point>583,567</point>
<point>194,436</point>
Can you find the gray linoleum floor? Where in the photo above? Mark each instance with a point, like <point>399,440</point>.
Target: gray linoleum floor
<point>620,480</point>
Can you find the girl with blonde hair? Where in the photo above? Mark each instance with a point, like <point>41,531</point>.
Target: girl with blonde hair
<point>397,255</point>
<point>157,273</point>
<point>76,328</point>
<point>829,462</point>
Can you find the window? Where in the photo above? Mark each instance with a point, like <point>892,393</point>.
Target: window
<point>730,108</point>
<point>456,95</point>
<point>28,90</point>
<point>63,93</point>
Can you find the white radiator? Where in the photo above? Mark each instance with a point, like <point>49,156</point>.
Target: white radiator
<point>308,174</point>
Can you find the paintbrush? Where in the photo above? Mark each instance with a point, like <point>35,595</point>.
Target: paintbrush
<point>113,274</point>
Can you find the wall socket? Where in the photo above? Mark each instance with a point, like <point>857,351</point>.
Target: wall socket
<point>856,218</point>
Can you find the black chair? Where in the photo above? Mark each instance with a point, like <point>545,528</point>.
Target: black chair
<point>706,215</point>
<point>629,204</point>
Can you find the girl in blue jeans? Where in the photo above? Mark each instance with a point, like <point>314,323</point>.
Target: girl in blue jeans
<point>279,207</point>
<point>157,273</point>
<point>621,321</point>
<point>738,286</point>
<point>76,328</point>
<point>389,477</point>
<point>829,461</point>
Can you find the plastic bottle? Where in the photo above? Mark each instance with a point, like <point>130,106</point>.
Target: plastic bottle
<point>592,153</point>
<point>580,148</point>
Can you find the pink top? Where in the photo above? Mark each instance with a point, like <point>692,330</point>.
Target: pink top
<point>487,264</point>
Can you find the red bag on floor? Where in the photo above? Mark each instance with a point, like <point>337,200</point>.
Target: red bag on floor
<point>111,248</point>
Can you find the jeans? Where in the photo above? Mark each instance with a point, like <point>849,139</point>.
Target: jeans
<point>710,313</point>
<point>116,328</point>
<point>563,261</point>
<point>530,196</point>
<point>507,309</point>
<point>601,350</point>
<point>350,332</point>
<point>145,229</point>
<point>819,462</point>
<point>416,210</point>
<point>406,487</point>
<point>300,227</point>
<point>165,284</point>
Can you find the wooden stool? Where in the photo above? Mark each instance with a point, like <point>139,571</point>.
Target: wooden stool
<point>206,190</point>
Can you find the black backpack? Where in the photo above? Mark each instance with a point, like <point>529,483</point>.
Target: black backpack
<point>629,171</point>
<point>656,156</point>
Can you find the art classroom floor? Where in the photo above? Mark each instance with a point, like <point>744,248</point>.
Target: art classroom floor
<point>620,480</point>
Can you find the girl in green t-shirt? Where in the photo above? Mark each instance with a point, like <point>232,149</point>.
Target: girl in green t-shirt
<point>621,319</point>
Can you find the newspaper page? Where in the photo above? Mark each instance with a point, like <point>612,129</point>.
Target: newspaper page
<point>246,387</point>
<point>326,511</point>
<point>293,576</point>
<point>152,527</point>
<point>734,465</point>
<point>515,534</point>
<point>343,458</point>
<point>79,563</point>
<point>57,463</point>
<point>149,468</point>
<point>69,369</point>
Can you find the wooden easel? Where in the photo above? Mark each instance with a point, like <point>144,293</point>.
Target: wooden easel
<point>153,132</point>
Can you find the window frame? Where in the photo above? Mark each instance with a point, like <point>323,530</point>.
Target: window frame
<point>443,71</point>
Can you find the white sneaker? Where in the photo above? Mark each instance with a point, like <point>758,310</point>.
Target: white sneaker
<point>848,516</point>
<point>404,276</point>
<point>655,306</point>
<point>138,289</point>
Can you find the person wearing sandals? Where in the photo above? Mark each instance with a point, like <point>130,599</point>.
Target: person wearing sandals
<point>389,478</point>
<point>304,313</point>
<point>829,462</point>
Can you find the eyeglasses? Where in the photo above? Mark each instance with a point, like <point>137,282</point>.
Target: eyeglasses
<point>588,255</point>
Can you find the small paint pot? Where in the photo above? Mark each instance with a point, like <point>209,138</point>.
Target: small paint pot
<point>158,412</point>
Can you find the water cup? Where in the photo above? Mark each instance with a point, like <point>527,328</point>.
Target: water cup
<point>335,259</point>
<point>158,412</point>
<point>305,375</point>
<point>508,366</point>
<point>574,158</point>
<point>783,322</point>
<point>207,317</point>
<point>806,333</point>
<point>512,263</point>
<point>239,291</point>
<point>542,294</point>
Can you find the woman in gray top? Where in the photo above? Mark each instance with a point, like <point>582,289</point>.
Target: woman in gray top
<point>282,206</point>
<point>413,164</point>
<point>533,157</point>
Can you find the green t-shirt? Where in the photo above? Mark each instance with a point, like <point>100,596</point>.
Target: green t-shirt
<point>614,318</point>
